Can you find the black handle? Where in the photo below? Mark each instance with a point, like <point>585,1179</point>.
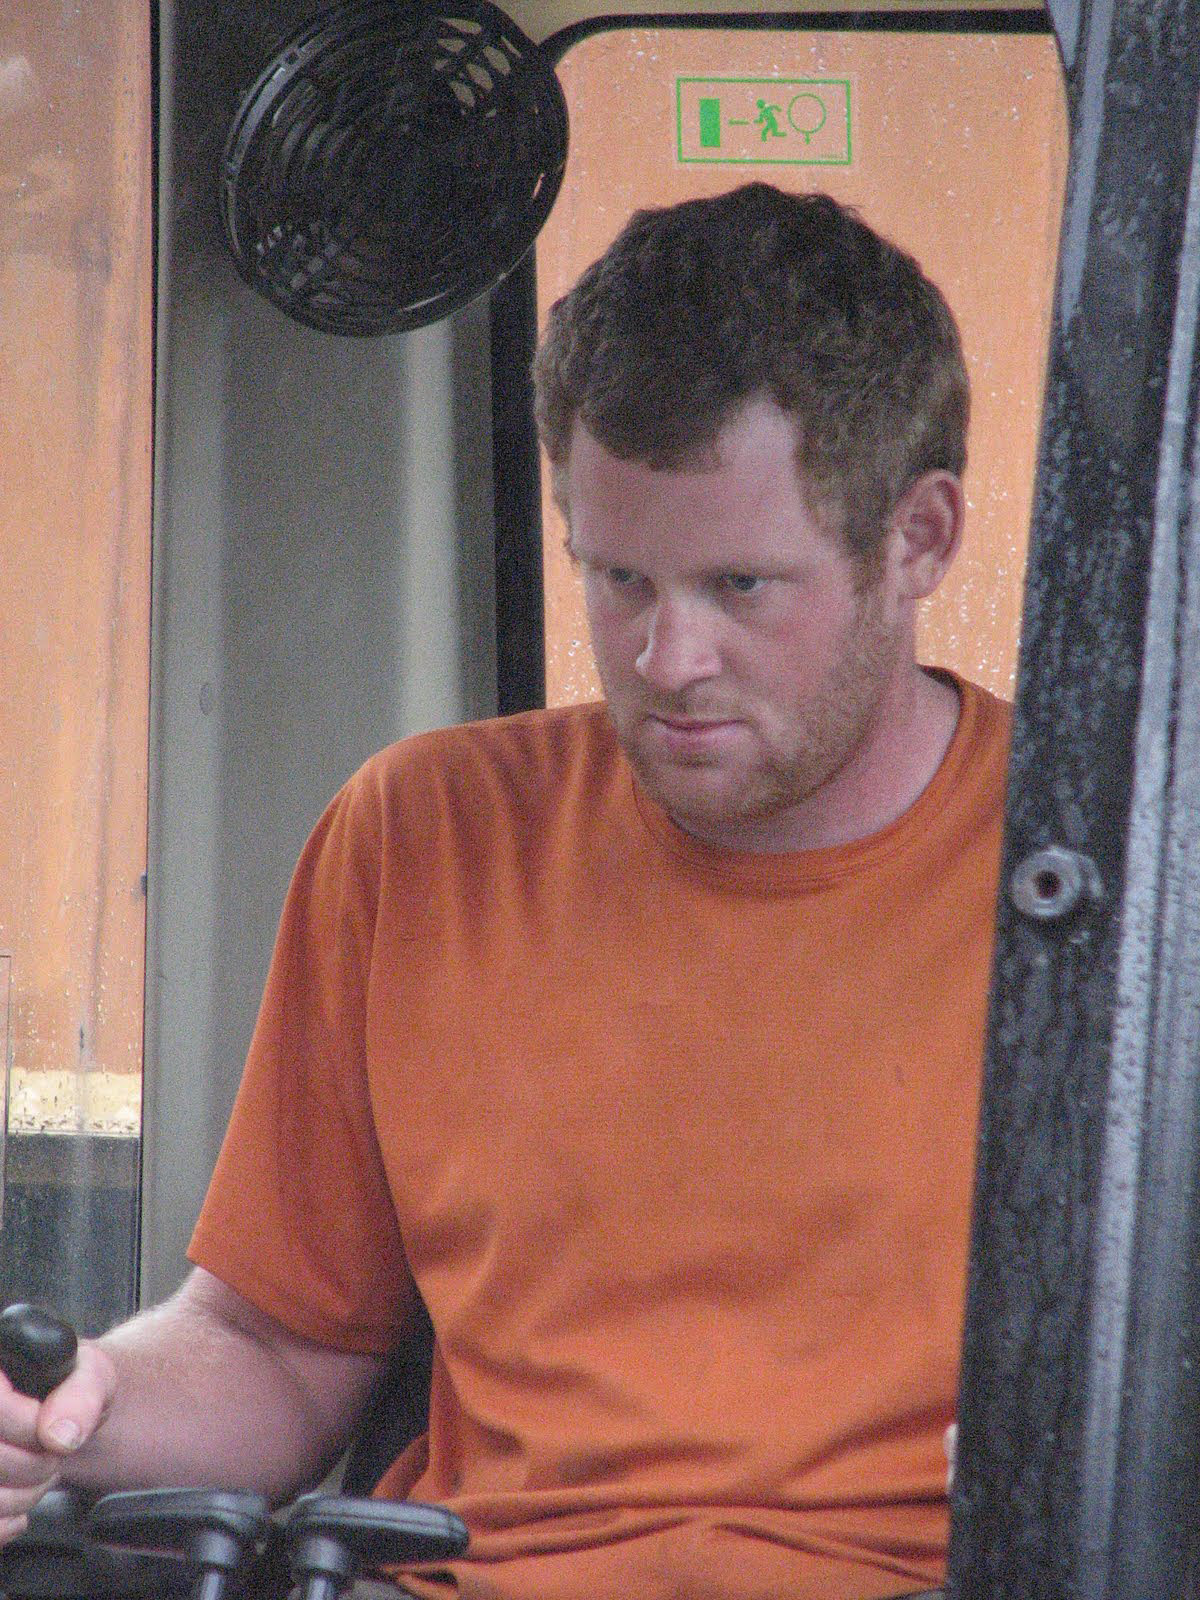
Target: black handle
<point>56,1559</point>
<point>216,1531</point>
<point>37,1349</point>
<point>185,1521</point>
<point>331,1538</point>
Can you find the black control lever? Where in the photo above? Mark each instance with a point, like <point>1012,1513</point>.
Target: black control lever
<point>37,1349</point>
<point>214,1530</point>
<point>55,1559</point>
<point>331,1538</point>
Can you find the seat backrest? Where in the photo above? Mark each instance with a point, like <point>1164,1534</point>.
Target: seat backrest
<point>397,1411</point>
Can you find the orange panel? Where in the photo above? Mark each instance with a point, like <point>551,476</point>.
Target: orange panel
<point>952,144</point>
<point>75,429</point>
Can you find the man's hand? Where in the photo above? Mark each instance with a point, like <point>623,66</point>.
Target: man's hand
<point>204,1389</point>
<point>36,1437</point>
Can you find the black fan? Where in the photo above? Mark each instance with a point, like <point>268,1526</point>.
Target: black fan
<point>393,161</point>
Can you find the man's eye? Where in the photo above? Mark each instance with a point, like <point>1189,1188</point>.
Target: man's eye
<point>621,577</point>
<point>742,582</point>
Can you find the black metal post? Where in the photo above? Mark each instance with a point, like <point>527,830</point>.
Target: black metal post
<point>520,630</point>
<point>1079,1469</point>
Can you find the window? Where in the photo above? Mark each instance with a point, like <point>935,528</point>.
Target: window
<point>75,436</point>
<point>952,143</point>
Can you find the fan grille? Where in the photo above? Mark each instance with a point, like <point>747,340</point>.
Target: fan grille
<point>391,163</point>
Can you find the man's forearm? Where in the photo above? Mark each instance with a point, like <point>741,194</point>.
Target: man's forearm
<point>210,1391</point>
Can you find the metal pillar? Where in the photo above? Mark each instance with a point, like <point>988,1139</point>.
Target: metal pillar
<point>1079,1470</point>
<point>520,629</point>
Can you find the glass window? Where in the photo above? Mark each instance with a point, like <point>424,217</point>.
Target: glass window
<point>954,144</point>
<point>75,434</point>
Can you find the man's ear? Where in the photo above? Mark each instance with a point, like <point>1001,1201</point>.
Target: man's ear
<point>928,524</point>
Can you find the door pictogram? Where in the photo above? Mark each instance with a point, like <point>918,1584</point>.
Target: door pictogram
<point>757,121</point>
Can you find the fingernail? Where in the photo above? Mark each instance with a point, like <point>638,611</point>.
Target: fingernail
<point>65,1434</point>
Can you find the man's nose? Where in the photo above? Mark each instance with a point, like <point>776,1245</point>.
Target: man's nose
<point>680,648</point>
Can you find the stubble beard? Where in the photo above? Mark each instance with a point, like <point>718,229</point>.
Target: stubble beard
<point>823,737</point>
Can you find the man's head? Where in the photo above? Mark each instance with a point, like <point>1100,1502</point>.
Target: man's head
<point>698,308</point>
<point>754,408</point>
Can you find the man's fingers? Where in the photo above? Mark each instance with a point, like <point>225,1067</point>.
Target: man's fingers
<point>11,1528</point>
<point>35,1437</point>
<point>18,1421</point>
<point>71,1413</point>
<point>62,1431</point>
<point>16,1503</point>
<point>22,1470</point>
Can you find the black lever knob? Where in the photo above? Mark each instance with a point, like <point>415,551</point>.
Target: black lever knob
<point>56,1559</point>
<point>331,1538</point>
<point>37,1349</point>
<point>214,1530</point>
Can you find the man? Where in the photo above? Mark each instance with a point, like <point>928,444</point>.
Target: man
<point>641,1042</point>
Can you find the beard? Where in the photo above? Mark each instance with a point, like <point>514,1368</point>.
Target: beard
<point>784,757</point>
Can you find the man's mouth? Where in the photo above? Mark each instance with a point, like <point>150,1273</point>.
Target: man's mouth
<point>689,735</point>
<point>690,722</point>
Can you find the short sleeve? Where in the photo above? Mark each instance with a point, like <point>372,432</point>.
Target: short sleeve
<point>299,1217</point>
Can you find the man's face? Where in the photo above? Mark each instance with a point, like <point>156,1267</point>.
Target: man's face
<point>746,665</point>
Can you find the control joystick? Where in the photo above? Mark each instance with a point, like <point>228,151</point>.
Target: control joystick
<point>330,1539</point>
<point>37,1349</point>
<point>213,1531</point>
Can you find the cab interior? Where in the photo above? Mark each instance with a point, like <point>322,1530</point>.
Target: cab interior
<point>243,550</point>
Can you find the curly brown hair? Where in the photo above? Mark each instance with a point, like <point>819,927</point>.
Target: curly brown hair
<point>697,308</point>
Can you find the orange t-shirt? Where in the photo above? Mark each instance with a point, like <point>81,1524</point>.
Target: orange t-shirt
<point>677,1143</point>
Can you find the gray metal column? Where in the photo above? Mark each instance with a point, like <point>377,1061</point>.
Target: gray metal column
<point>323,554</point>
<point>1079,1470</point>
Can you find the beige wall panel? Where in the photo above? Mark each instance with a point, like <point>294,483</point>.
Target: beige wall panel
<point>957,149</point>
<point>75,430</point>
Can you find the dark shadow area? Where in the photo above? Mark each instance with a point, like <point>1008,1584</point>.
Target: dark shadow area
<point>70,1226</point>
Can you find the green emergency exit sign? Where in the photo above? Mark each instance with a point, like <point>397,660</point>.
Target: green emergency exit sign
<point>790,122</point>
